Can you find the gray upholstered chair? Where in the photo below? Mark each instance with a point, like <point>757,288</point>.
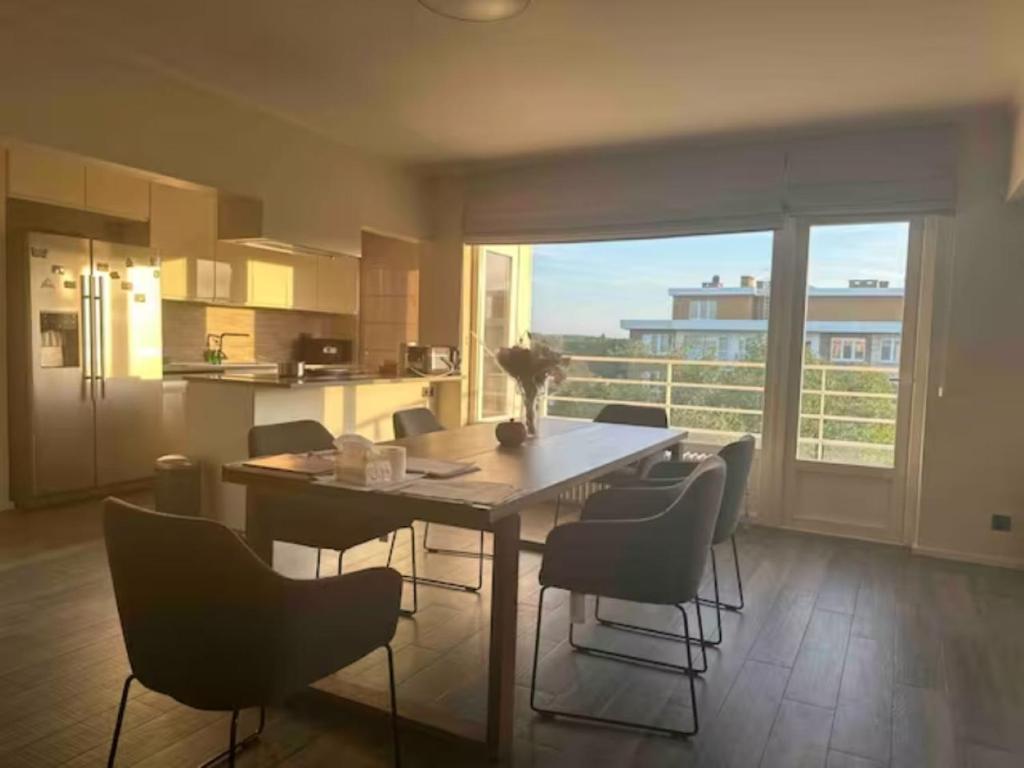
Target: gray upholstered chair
<point>415,421</point>
<point>351,528</point>
<point>631,415</point>
<point>206,622</point>
<point>643,545</point>
<point>421,421</point>
<point>738,457</point>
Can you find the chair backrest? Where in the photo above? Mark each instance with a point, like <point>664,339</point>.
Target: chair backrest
<point>635,415</point>
<point>197,607</point>
<point>289,437</point>
<point>738,457</point>
<point>689,525</point>
<point>415,421</point>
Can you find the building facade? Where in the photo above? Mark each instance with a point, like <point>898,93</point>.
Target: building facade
<point>857,325</point>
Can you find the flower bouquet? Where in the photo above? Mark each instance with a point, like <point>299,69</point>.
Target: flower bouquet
<point>532,367</point>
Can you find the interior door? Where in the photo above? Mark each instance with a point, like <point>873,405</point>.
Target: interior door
<point>848,420</point>
<point>495,326</point>
<point>62,410</point>
<point>129,361</point>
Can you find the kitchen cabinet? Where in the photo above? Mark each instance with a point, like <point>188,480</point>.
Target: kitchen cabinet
<point>230,274</point>
<point>183,230</point>
<point>281,280</point>
<point>46,176</point>
<point>337,287</point>
<point>117,193</point>
<point>61,178</point>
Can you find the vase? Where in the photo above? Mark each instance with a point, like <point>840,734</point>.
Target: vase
<point>530,397</point>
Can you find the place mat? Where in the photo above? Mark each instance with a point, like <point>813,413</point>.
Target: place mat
<point>474,492</point>
<point>397,485</point>
<point>439,469</point>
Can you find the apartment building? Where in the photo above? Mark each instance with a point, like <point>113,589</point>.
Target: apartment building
<point>858,324</point>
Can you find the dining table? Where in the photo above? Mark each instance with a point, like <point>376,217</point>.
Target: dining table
<point>564,454</point>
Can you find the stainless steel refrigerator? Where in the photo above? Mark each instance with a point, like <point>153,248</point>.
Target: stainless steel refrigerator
<point>91,366</point>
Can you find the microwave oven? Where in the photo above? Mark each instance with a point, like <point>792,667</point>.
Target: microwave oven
<point>429,360</point>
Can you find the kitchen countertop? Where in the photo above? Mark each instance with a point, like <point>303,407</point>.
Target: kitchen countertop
<point>273,380</point>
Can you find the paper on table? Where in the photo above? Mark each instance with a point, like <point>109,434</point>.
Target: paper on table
<point>313,463</point>
<point>437,468</point>
<point>466,491</point>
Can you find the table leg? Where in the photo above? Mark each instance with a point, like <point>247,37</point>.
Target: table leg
<point>501,689</point>
<point>257,532</point>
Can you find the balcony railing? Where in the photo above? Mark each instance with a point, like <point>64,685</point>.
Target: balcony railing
<point>847,412</point>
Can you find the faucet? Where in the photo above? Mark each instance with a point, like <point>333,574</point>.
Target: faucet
<point>215,354</point>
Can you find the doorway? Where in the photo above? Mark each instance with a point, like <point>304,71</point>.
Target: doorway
<point>849,399</point>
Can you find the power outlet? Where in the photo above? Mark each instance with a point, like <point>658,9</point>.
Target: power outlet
<point>1002,522</point>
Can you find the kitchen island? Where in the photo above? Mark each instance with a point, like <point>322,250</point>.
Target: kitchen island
<point>220,408</point>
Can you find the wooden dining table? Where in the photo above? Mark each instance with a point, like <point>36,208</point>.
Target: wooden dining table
<point>565,454</point>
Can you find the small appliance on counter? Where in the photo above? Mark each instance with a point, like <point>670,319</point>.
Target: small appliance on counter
<point>422,360</point>
<point>321,351</point>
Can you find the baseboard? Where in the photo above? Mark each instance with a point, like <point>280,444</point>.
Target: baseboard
<point>1016,563</point>
<point>996,561</point>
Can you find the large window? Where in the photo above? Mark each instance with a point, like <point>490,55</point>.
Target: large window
<point>647,322</point>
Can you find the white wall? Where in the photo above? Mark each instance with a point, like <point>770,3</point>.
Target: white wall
<point>974,435</point>
<point>66,94</point>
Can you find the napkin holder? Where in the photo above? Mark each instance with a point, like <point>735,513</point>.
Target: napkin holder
<point>360,462</point>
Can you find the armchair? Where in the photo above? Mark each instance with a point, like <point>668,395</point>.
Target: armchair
<point>738,457</point>
<point>206,622</point>
<point>654,551</point>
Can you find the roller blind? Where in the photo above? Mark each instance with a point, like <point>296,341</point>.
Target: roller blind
<point>677,191</point>
<point>650,193</point>
<point>893,171</point>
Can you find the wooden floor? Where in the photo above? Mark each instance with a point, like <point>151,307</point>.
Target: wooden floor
<point>848,654</point>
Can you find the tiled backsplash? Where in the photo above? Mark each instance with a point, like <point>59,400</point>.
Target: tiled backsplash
<point>272,332</point>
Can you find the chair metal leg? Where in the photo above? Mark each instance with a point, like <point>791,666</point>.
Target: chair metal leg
<point>442,582</point>
<point>605,720</point>
<point>643,660</point>
<point>318,550</point>
<point>667,635</point>
<point>236,747</point>
<point>739,582</point>
<point>396,744</point>
<point>415,579</point>
<point>457,552</point>
<point>120,720</point>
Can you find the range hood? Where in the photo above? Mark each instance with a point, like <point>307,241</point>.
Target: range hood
<point>240,221</point>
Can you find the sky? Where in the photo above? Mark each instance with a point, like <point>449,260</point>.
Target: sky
<point>587,288</point>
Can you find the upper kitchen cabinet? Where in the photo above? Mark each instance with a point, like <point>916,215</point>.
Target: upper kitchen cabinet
<point>183,230</point>
<point>281,280</point>
<point>114,192</point>
<point>46,176</point>
<point>61,178</point>
<point>337,287</point>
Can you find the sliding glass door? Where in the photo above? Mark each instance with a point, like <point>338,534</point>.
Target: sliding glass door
<point>497,312</point>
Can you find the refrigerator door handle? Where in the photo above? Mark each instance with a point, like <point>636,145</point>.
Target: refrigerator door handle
<point>100,342</point>
<point>87,341</point>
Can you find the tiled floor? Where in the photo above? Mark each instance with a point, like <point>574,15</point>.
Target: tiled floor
<point>848,654</point>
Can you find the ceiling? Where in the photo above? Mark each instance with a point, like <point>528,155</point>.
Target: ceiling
<point>390,78</point>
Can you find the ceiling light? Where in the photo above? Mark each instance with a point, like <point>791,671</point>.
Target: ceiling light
<point>476,10</point>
